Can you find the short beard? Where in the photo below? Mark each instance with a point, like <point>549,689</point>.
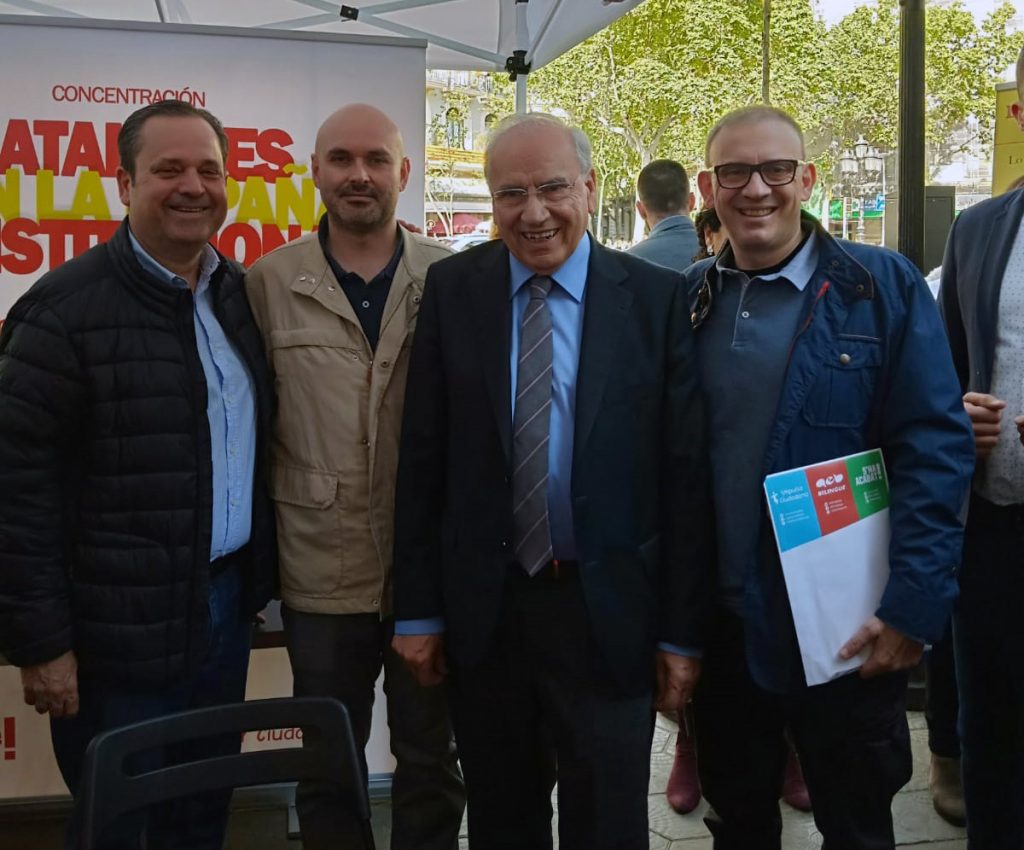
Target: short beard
<point>363,222</point>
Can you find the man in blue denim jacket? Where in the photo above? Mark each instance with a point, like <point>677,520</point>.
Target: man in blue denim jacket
<point>812,349</point>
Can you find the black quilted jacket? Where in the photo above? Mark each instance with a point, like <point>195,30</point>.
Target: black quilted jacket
<point>105,470</point>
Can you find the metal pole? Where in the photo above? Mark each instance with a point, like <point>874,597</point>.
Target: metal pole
<point>522,48</point>
<point>766,43</point>
<point>911,165</point>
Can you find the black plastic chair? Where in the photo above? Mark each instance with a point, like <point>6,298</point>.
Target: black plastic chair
<point>328,753</point>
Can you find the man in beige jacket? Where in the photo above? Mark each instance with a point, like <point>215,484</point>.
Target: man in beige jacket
<point>337,310</point>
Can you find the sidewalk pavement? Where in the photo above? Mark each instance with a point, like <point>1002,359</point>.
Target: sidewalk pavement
<point>917,825</point>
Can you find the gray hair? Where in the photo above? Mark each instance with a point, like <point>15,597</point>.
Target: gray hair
<point>580,141</point>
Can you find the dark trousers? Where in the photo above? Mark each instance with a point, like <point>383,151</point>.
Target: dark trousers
<point>340,656</point>
<point>988,628</point>
<point>193,823</point>
<point>537,710</point>
<point>941,703</point>
<point>851,735</point>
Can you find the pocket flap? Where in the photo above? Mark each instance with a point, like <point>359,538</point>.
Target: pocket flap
<point>855,353</point>
<point>317,337</point>
<point>308,488</point>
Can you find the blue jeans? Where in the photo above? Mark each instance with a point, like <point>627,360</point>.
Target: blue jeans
<point>196,823</point>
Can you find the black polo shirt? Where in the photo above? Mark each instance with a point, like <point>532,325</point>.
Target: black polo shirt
<point>367,299</point>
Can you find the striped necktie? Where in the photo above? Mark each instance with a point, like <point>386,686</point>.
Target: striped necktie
<point>531,431</point>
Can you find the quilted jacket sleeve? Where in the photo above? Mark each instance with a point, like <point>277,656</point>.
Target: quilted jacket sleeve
<point>41,402</point>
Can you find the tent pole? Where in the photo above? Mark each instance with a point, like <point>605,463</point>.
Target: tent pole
<point>521,93</point>
<point>521,71</point>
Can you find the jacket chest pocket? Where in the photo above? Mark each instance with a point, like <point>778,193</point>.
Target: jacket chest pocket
<point>304,349</point>
<point>845,389</point>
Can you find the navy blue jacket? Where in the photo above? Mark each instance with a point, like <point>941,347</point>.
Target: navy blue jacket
<point>895,389</point>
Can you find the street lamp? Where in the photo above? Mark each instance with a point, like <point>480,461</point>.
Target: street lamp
<point>864,167</point>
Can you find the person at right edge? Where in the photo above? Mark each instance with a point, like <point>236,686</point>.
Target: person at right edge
<point>981,298</point>
<point>812,349</point>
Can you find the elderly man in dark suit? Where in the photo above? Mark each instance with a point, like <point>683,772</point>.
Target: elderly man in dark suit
<point>552,529</point>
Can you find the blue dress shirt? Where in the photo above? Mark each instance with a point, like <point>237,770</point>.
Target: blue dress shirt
<point>230,408</point>
<point>565,302</point>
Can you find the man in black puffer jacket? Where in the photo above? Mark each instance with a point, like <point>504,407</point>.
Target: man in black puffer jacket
<point>136,536</point>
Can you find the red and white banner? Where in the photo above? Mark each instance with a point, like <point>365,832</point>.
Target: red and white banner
<point>76,81</point>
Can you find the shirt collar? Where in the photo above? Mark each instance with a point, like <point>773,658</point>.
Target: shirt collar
<point>571,276</point>
<point>388,271</point>
<point>208,262</point>
<point>798,271</point>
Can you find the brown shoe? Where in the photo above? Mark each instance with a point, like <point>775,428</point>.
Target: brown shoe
<point>794,789</point>
<point>683,789</point>
<point>947,790</point>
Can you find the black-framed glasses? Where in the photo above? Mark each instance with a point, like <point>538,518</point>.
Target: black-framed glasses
<point>774,172</point>
<point>702,307</point>
<point>553,192</point>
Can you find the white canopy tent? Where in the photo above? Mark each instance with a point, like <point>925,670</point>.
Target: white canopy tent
<point>482,35</point>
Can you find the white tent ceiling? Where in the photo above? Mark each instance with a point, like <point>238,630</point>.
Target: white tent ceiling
<point>462,34</point>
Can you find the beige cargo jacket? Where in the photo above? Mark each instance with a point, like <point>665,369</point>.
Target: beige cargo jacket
<point>335,441</point>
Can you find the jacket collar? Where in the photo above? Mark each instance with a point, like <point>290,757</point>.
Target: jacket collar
<point>846,276</point>
<point>142,282</point>
<point>671,223</point>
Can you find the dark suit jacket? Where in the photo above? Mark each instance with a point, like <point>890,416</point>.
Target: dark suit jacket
<point>978,247</point>
<point>640,488</point>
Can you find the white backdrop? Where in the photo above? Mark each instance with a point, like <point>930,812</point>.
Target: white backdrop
<point>77,81</point>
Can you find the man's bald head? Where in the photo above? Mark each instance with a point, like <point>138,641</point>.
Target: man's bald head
<point>360,115</point>
<point>360,167</point>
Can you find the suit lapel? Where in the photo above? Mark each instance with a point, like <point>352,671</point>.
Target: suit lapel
<point>607,305</point>
<point>492,312</point>
<point>994,247</point>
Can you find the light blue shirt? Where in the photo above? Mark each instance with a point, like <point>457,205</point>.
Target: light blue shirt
<point>230,408</point>
<point>565,302</point>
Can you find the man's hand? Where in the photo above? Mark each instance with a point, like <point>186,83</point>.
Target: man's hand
<point>985,411</point>
<point>892,651</point>
<point>424,656</point>
<point>1019,422</point>
<point>677,676</point>
<point>52,686</point>
<point>408,225</point>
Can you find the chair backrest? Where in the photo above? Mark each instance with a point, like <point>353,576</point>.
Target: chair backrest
<point>328,753</point>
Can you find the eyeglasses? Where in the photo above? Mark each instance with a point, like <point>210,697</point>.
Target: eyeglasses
<point>555,192</point>
<point>702,309</point>
<point>774,172</point>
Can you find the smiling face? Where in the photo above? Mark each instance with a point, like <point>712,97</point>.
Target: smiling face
<point>178,197</point>
<point>763,221</point>
<point>360,169</point>
<point>541,234</point>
